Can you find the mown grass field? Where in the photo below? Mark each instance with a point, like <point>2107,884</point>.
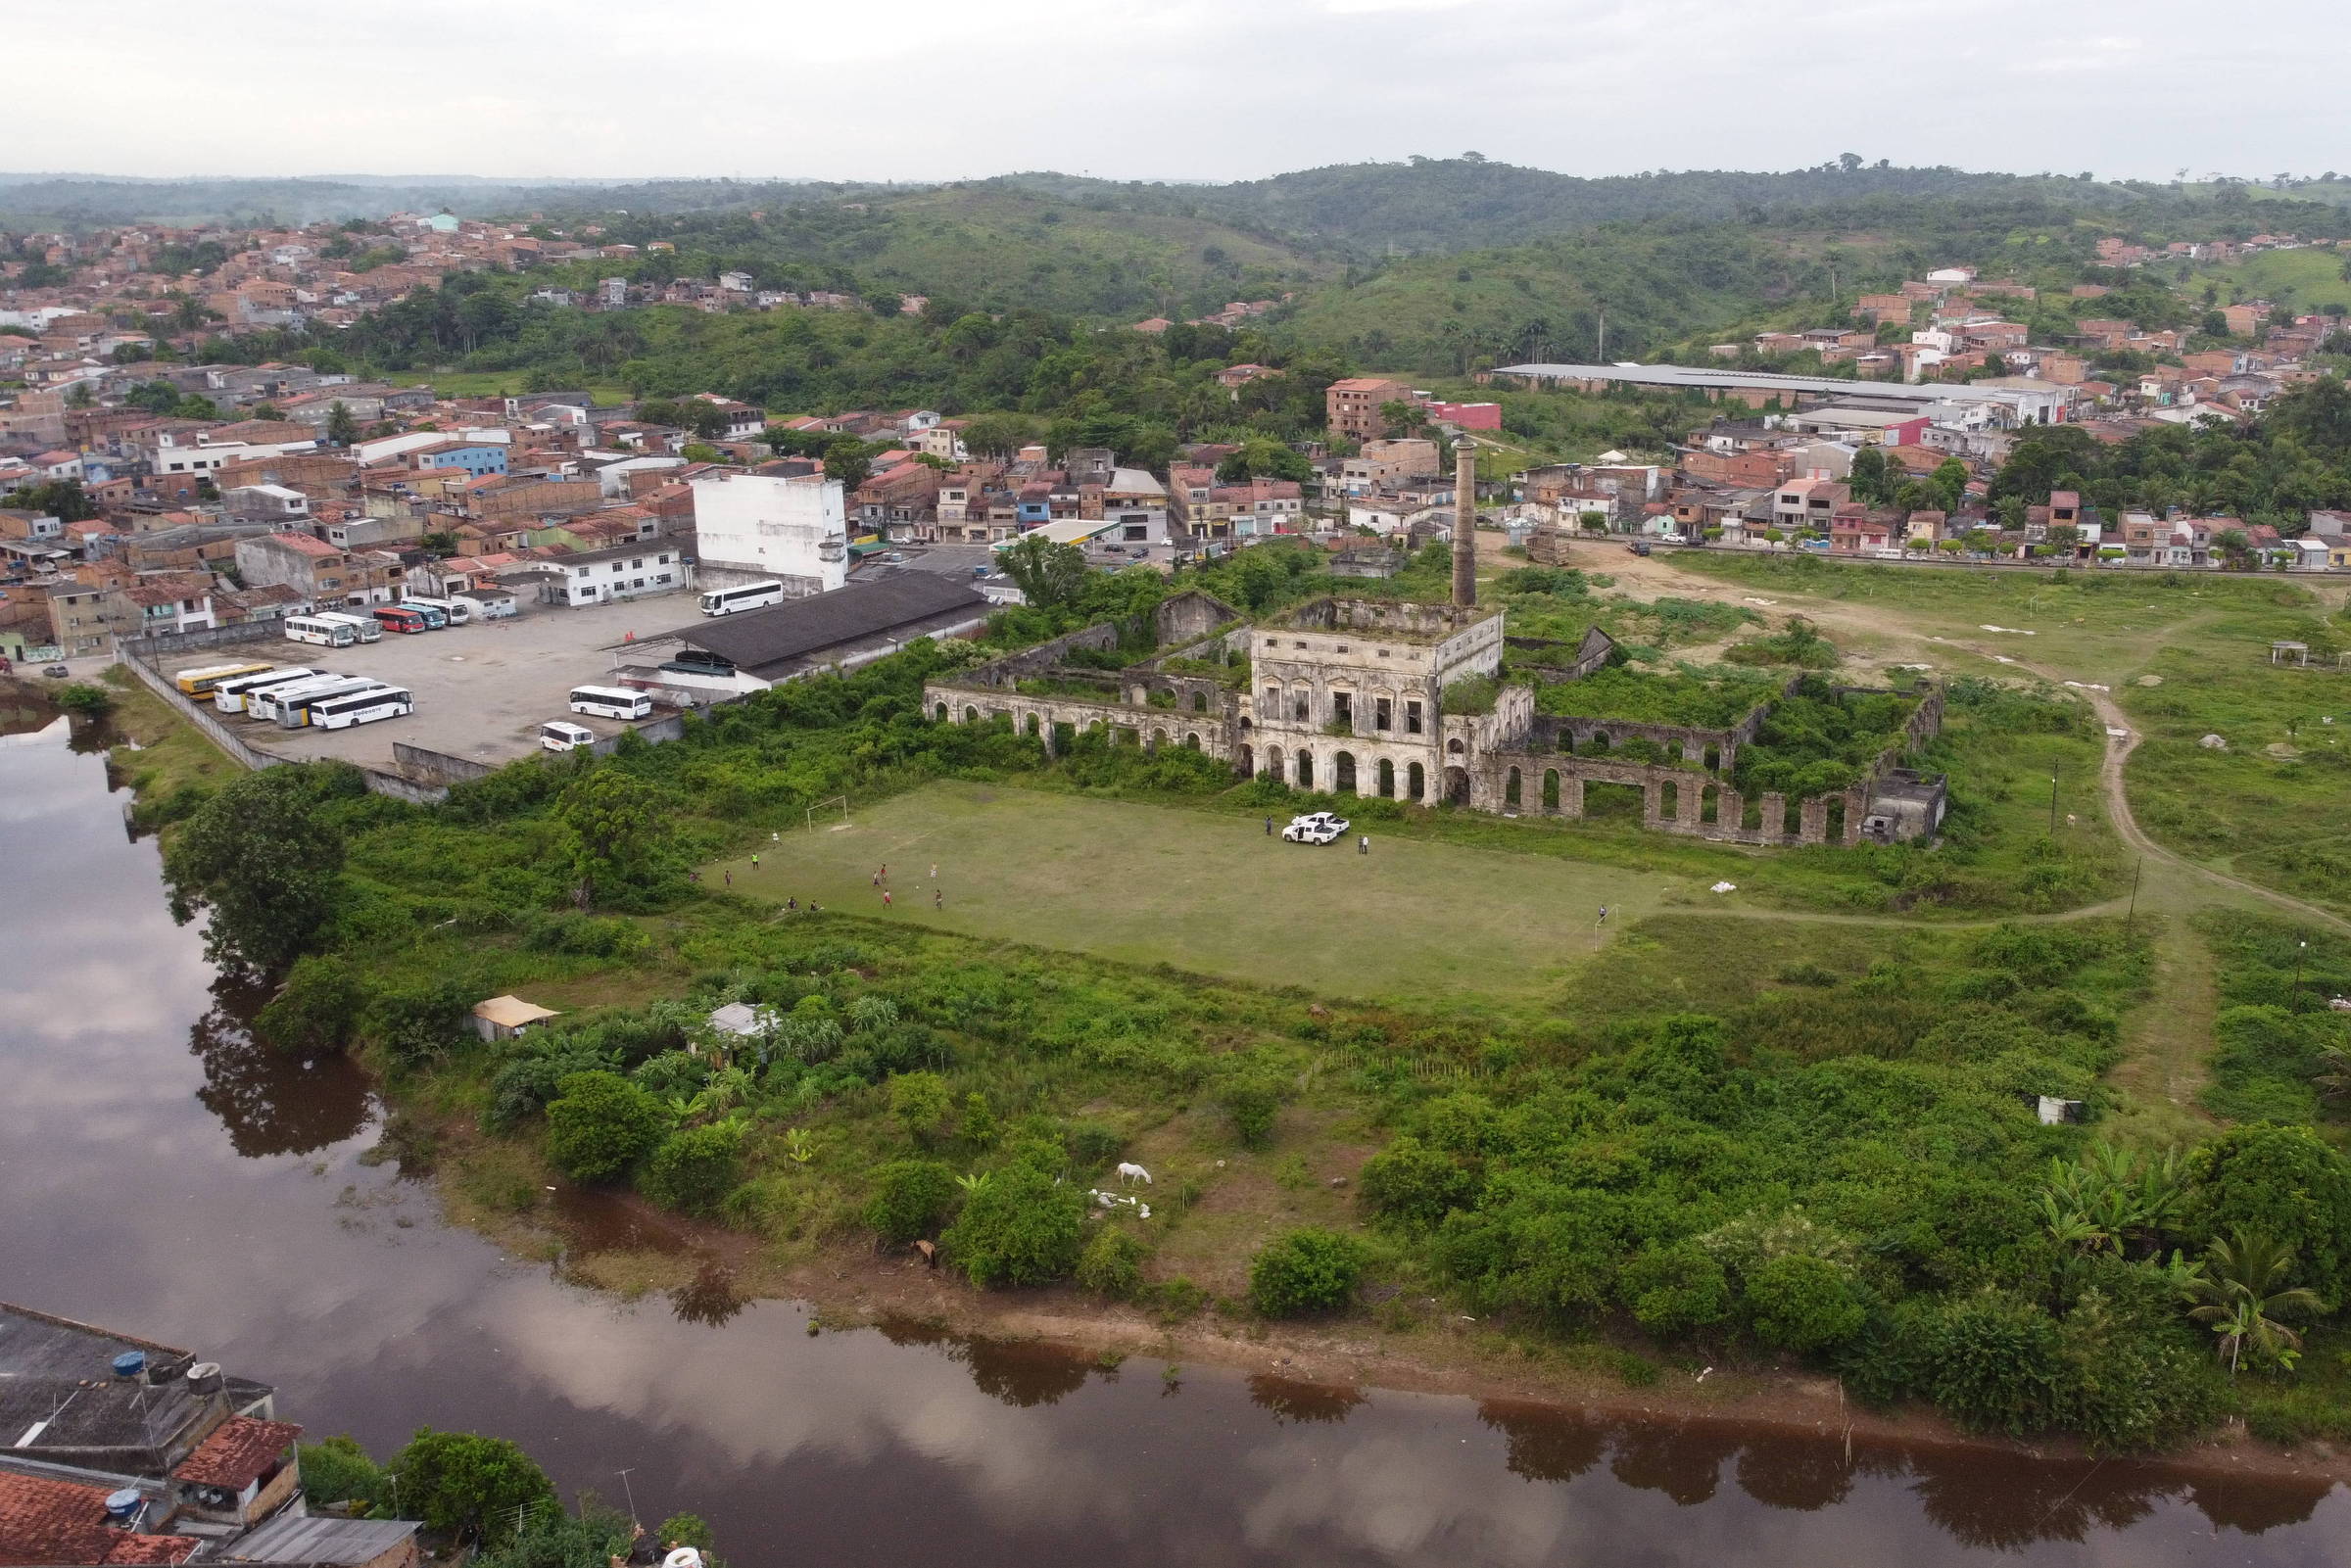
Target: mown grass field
<point>1212,893</point>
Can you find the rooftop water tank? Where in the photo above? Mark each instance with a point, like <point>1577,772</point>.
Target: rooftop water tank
<point>130,1364</point>
<point>205,1377</point>
<point>122,1508</point>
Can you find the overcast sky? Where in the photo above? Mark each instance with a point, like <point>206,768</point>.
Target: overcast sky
<point>1222,89</point>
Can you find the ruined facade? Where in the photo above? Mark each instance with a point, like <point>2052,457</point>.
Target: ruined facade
<point>1402,701</point>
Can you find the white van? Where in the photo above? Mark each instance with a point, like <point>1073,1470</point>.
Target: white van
<point>610,701</point>
<point>558,736</point>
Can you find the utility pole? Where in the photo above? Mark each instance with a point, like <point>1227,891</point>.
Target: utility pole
<point>2301,947</point>
<point>2131,919</point>
<point>630,1493</point>
<point>2053,803</point>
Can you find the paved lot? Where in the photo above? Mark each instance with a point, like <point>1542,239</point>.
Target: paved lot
<point>482,690</point>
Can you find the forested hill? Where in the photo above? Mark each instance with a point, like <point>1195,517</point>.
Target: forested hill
<point>1470,203</point>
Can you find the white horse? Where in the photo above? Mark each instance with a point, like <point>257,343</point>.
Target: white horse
<point>1129,1172</point>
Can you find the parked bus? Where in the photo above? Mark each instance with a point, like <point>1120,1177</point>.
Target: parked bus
<point>400,618</point>
<point>452,612</point>
<point>364,626</point>
<point>268,703</point>
<point>361,708</point>
<point>200,680</point>
<point>610,701</point>
<point>749,597</point>
<point>294,712</point>
<point>229,695</point>
<point>335,633</point>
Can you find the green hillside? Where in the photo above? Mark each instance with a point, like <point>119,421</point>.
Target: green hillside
<point>2306,280</point>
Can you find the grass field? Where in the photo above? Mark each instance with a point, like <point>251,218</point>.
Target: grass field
<point>2307,279</point>
<point>1212,894</point>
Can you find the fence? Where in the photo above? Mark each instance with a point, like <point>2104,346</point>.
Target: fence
<point>165,645</point>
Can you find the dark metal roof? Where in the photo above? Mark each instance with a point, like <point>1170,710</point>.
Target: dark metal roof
<point>317,1538</point>
<point>872,607</point>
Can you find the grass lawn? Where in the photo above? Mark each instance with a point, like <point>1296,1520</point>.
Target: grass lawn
<point>2096,625</point>
<point>1212,894</point>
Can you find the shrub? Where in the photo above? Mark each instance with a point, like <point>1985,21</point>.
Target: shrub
<point>1675,1289</point>
<point>1252,1100</point>
<point>911,1197</point>
<point>426,1019</point>
<point>337,1469</point>
<point>1308,1270</point>
<point>1019,1229</point>
<point>602,1124</point>
<point>1413,1185</point>
<point>979,1127</point>
<point>1802,1302</point>
<point>1094,1144</point>
<point>87,700</point>
<point>1112,1264</point>
<point>1993,1363</point>
<point>462,1481</point>
<point>2285,1183</point>
<point>918,1101</point>
<point>695,1169</point>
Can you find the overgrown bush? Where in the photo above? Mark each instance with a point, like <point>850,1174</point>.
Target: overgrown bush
<point>602,1124</point>
<point>693,1170</point>
<point>1308,1270</point>
<point>1112,1264</point>
<point>1018,1228</point>
<point>911,1199</point>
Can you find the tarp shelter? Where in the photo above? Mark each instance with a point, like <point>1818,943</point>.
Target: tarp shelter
<point>502,1018</point>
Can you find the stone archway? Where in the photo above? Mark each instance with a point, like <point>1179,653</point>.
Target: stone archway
<point>1159,737</point>
<point>1387,780</point>
<point>1457,786</point>
<point>1274,762</point>
<point>941,713</point>
<point>1416,781</point>
<point>1031,726</point>
<point>1306,770</point>
<point>1248,761</point>
<point>1551,789</point>
<point>1342,773</point>
<point>1192,741</point>
<point>971,715</point>
<point>1510,788</point>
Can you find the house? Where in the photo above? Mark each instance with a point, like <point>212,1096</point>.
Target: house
<point>624,572</point>
<point>508,1017</point>
<point>842,629</point>
<point>320,572</point>
<point>789,528</point>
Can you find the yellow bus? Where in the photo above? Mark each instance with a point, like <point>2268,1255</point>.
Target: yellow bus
<point>199,682</point>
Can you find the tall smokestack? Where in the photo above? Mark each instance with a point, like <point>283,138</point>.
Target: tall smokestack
<point>1465,521</point>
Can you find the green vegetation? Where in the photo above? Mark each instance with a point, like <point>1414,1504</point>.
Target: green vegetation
<point>1817,739</point>
<point>1308,1270</point>
<point>1800,646</point>
<point>1713,699</point>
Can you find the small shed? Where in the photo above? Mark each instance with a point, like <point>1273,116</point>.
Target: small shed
<point>2283,651</point>
<point>503,1018</point>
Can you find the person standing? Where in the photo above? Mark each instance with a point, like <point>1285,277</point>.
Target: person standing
<point>935,871</point>
<point>939,898</point>
<point>1269,827</point>
<point>1363,845</point>
<point>886,898</point>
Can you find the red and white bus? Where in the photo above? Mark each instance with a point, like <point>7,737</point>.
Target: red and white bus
<point>400,618</point>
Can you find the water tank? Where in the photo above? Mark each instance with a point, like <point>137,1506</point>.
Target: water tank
<point>205,1377</point>
<point>130,1364</point>
<point>122,1508</point>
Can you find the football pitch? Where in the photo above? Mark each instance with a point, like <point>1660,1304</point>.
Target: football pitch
<point>1210,893</point>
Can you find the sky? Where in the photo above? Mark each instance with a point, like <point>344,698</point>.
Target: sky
<point>1175,89</point>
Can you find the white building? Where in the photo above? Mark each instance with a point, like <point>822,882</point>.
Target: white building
<point>624,572</point>
<point>376,452</point>
<point>750,528</point>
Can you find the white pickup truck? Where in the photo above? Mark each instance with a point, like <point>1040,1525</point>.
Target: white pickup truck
<point>1315,828</point>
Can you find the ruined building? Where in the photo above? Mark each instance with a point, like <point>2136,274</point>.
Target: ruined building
<point>1404,701</point>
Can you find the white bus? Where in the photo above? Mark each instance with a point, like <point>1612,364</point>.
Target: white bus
<point>327,634</point>
<point>268,703</point>
<point>229,695</point>
<point>452,612</point>
<point>361,708</point>
<point>749,597</point>
<point>294,712</point>
<point>610,701</point>
<point>368,626</point>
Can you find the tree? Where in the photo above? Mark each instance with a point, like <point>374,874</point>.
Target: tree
<point>1413,1184</point>
<point>86,700</point>
<point>467,1484</point>
<point>618,827</point>
<point>1050,575</point>
<point>602,1124</point>
<point>262,862</point>
<point>1018,1228</point>
<point>1403,419</point>
<point>1308,1270</point>
<point>911,1199</point>
<point>849,460</point>
<point>2284,1183</point>
<point>1001,435</point>
<point>316,1009</point>
<point>1802,1303</point>
<point>2241,1295</point>
<point>918,1101</point>
<point>1868,478</point>
<point>979,1125</point>
<point>342,429</point>
<point>1261,456</point>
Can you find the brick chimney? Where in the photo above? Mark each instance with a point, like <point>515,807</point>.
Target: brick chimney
<point>1465,522</point>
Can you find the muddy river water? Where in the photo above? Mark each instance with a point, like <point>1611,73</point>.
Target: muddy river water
<point>162,1175</point>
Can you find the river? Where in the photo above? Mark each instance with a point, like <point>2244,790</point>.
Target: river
<point>165,1178</point>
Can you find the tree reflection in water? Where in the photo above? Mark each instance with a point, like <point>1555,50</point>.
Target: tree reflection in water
<point>1987,1498</point>
<point>709,1298</point>
<point>1023,1373</point>
<point>271,1102</point>
<point>1289,1399</point>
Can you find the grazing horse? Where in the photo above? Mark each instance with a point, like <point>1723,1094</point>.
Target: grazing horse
<point>1129,1172</point>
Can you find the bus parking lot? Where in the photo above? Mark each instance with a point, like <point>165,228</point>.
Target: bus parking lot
<point>482,690</point>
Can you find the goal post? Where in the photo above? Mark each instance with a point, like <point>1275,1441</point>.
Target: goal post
<point>825,806</point>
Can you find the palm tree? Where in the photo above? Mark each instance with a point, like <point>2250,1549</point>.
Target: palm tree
<point>2238,1298</point>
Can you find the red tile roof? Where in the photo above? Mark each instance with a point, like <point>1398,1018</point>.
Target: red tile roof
<point>44,1521</point>
<point>239,1450</point>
